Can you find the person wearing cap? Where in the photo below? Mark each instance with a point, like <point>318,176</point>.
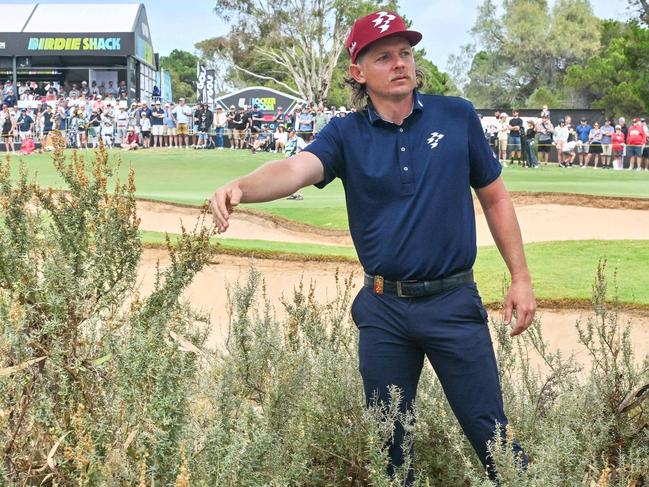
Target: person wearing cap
<point>408,162</point>
<point>503,137</point>
<point>25,124</point>
<point>157,124</point>
<point>169,121</point>
<point>131,141</point>
<point>635,141</point>
<point>607,132</point>
<point>182,113</point>
<point>561,134</point>
<point>583,133</point>
<point>121,123</point>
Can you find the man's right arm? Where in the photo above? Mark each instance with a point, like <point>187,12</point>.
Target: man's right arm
<point>274,180</point>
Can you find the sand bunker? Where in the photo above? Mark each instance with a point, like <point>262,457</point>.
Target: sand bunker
<point>543,218</point>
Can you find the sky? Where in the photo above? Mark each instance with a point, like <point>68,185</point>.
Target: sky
<point>443,23</point>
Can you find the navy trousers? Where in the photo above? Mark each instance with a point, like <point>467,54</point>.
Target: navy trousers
<point>450,329</point>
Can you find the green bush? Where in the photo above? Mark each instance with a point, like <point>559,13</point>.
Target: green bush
<point>99,386</point>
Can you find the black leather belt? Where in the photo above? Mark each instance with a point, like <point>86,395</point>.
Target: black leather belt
<point>417,289</point>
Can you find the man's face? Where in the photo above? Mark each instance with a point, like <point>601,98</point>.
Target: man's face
<point>387,68</point>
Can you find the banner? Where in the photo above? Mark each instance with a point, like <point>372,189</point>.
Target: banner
<point>205,79</point>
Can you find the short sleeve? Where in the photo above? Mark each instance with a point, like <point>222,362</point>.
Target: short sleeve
<point>327,146</point>
<point>484,165</point>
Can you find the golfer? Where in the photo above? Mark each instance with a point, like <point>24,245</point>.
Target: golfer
<point>408,162</point>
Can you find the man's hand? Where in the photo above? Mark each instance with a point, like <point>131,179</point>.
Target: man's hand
<point>521,303</point>
<point>222,203</point>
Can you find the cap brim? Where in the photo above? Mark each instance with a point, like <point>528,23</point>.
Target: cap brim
<point>412,36</point>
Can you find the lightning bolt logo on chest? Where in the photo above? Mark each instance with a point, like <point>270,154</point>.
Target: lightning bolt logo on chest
<point>434,139</point>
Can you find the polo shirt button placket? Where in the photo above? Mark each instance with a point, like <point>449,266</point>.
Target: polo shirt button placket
<point>407,178</point>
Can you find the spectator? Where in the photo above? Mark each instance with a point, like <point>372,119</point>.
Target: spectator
<point>305,124</point>
<point>256,119</point>
<point>617,143</point>
<point>106,130</point>
<point>635,140</point>
<point>94,127</point>
<point>8,129</point>
<point>294,143</point>
<point>545,130</point>
<point>280,137</point>
<point>320,121</point>
<point>607,132</point>
<point>47,123</point>
<point>121,121</point>
<point>503,138</point>
<point>528,144</point>
<point>561,134</point>
<point>220,124</point>
<point>82,129</point>
<point>545,111</point>
<point>230,116</point>
<point>110,90</point>
<point>204,125</point>
<point>595,146</point>
<point>239,128</point>
<point>182,113</point>
<point>169,121</point>
<point>157,124</point>
<point>131,142</point>
<point>27,146</point>
<point>262,140</point>
<point>514,139</point>
<point>583,133</point>
<point>645,150</point>
<point>25,124</point>
<point>145,127</point>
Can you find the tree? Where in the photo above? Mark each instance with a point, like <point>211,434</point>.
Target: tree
<point>295,44</point>
<point>182,68</point>
<point>616,79</point>
<point>641,7</point>
<point>523,49</point>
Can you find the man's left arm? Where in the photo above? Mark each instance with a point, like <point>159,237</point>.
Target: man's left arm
<point>501,218</point>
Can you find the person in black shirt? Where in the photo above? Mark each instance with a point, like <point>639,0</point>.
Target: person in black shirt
<point>528,144</point>
<point>157,124</point>
<point>47,121</point>
<point>514,141</point>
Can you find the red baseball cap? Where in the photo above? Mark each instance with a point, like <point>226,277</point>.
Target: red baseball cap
<point>376,26</point>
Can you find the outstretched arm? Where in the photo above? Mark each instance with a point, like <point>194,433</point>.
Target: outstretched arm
<point>501,218</point>
<point>273,180</point>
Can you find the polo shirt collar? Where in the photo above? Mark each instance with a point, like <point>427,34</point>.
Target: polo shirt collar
<point>374,117</point>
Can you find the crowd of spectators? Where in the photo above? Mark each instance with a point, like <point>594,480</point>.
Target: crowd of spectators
<point>530,141</point>
<point>86,114</point>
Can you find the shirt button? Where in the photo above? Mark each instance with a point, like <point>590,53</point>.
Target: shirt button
<point>403,149</point>
<point>405,168</point>
<point>401,130</point>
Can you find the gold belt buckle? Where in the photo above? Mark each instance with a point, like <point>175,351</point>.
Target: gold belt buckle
<point>378,284</point>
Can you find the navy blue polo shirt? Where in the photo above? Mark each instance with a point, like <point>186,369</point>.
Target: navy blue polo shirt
<point>407,187</point>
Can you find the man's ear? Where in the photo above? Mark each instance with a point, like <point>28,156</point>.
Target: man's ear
<point>356,72</point>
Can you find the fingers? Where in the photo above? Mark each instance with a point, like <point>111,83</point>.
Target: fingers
<point>523,321</point>
<point>222,203</point>
<point>509,307</point>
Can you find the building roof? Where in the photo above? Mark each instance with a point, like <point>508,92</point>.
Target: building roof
<point>64,17</point>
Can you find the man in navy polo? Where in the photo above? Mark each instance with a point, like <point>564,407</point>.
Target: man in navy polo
<point>408,162</point>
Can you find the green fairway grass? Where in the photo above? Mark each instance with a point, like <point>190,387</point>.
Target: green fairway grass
<point>189,176</point>
<point>563,270</point>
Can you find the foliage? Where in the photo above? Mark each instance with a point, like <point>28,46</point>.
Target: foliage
<point>641,7</point>
<point>182,68</point>
<point>524,49</point>
<point>101,387</point>
<point>616,79</point>
<point>94,387</point>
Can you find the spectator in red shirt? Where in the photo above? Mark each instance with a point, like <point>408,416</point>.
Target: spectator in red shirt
<point>635,141</point>
<point>131,140</point>
<point>617,140</point>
